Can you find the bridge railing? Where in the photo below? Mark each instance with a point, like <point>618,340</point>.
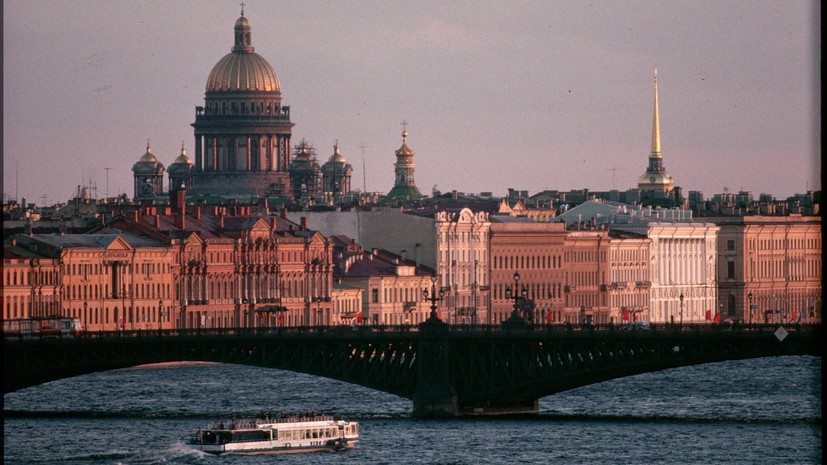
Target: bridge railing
<point>686,328</point>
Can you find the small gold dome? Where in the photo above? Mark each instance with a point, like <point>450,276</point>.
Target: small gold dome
<point>183,159</point>
<point>148,156</point>
<point>336,157</point>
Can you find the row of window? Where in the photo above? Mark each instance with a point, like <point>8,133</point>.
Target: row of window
<point>97,291</point>
<point>781,244</point>
<point>522,262</point>
<point>289,256</point>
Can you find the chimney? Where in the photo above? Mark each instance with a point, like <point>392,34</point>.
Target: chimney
<point>133,215</point>
<point>180,221</point>
<point>304,223</point>
<point>157,221</point>
<point>178,200</point>
<point>197,213</point>
<point>220,221</point>
<point>284,212</point>
<point>273,223</point>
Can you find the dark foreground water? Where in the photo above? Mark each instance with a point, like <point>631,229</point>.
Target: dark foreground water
<point>761,411</point>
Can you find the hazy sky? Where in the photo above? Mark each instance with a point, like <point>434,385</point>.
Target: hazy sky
<point>530,95</point>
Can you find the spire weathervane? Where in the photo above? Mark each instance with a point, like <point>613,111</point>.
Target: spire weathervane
<point>242,8</point>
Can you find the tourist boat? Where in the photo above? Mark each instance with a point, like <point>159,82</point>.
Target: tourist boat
<point>301,433</point>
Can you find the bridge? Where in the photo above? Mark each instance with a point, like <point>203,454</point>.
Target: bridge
<point>444,370</point>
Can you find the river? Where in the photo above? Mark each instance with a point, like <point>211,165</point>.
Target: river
<point>765,411</point>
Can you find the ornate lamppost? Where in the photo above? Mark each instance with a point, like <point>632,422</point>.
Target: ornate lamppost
<point>434,298</point>
<point>749,296</point>
<point>681,299</point>
<point>160,314</point>
<point>518,295</point>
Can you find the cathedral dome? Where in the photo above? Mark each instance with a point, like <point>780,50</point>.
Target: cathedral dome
<point>239,71</point>
<point>242,69</point>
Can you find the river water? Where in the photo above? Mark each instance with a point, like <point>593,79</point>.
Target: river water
<point>765,411</point>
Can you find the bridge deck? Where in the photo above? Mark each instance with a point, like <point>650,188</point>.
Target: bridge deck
<point>445,370</point>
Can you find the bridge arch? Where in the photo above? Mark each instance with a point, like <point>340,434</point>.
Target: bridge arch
<point>444,372</point>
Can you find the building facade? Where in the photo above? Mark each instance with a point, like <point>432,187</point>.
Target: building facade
<point>109,282</point>
<point>462,262</point>
<point>682,265</point>
<point>534,252</point>
<point>234,269</point>
<point>391,287</point>
<point>770,268</point>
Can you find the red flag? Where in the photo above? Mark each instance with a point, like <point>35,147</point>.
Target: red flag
<point>708,315</point>
<point>717,318</point>
<point>792,317</point>
<point>548,316</point>
<point>625,315</point>
<point>439,315</point>
<point>280,319</point>
<point>359,317</point>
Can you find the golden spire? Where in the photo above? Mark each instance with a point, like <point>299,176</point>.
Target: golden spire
<point>655,123</point>
<point>147,146</point>
<point>183,152</point>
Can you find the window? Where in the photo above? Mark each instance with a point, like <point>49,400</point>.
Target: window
<point>730,270</point>
<point>730,244</point>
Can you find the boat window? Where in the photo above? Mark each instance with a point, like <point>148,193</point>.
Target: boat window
<point>315,434</point>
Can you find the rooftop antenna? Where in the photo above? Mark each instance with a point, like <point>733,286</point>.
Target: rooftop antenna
<point>107,182</point>
<point>364,177</point>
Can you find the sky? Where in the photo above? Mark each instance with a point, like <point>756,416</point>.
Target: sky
<point>528,95</point>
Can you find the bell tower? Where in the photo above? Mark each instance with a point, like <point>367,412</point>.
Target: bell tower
<point>404,187</point>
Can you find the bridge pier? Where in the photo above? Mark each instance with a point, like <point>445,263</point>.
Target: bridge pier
<point>434,395</point>
<point>516,408</point>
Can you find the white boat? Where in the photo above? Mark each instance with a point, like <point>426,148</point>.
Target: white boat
<point>277,435</point>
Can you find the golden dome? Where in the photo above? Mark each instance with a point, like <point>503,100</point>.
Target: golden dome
<point>336,157</point>
<point>182,159</point>
<point>404,154</point>
<point>655,179</point>
<point>148,156</point>
<point>243,69</point>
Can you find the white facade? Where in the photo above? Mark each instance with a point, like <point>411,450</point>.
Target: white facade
<point>682,256</point>
<point>462,262</point>
<point>682,262</point>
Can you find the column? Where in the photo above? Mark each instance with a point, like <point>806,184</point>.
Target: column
<point>198,153</point>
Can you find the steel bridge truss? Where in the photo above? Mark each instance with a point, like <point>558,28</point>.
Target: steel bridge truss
<point>444,372</point>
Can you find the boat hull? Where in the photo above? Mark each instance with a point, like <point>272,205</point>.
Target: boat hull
<point>273,447</point>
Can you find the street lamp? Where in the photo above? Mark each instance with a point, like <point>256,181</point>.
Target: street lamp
<point>681,298</point>
<point>434,298</point>
<point>160,313</point>
<point>518,295</point>
<point>749,296</point>
<point>84,311</point>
